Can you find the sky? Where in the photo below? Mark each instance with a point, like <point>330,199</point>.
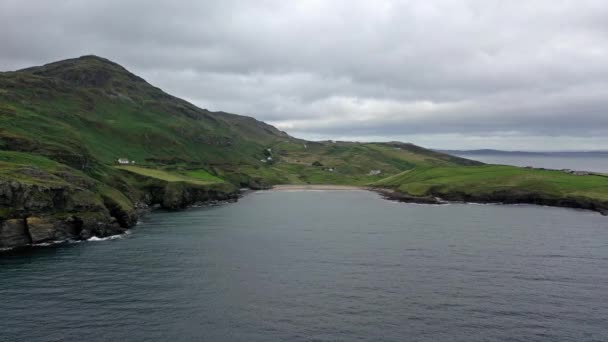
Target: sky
<point>461,74</point>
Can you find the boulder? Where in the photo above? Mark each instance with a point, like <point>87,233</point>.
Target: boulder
<point>13,233</point>
<point>41,229</point>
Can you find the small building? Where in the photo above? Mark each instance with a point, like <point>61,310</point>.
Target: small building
<point>374,172</point>
<point>123,161</point>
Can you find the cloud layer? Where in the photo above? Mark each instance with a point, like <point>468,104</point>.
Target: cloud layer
<point>445,74</point>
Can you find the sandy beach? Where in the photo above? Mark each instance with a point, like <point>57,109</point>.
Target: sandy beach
<point>316,187</point>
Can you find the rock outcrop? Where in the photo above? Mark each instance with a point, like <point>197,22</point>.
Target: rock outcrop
<point>178,195</point>
<point>502,196</point>
<point>13,232</point>
<point>34,214</point>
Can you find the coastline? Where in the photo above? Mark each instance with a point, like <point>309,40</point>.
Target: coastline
<point>499,198</point>
<point>287,187</point>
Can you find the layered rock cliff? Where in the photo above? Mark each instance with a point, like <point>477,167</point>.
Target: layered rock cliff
<point>42,201</point>
<point>35,213</point>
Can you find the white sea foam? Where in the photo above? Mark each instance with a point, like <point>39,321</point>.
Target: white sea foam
<point>111,237</point>
<point>50,243</point>
<point>92,239</point>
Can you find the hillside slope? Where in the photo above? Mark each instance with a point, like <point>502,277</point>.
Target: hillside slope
<point>502,184</point>
<point>64,125</point>
<point>91,110</point>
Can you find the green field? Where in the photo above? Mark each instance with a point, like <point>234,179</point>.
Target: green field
<point>488,179</point>
<point>200,177</point>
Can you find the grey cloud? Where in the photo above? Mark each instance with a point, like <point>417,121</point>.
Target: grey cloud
<point>377,69</point>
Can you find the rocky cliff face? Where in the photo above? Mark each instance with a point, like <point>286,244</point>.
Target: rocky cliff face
<point>527,197</point>
<point>503,197</point>
<point>174,196</point>
<point>34,214</point>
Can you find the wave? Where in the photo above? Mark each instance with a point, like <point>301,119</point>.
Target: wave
<point>70,241</point>
<point>111,237</point>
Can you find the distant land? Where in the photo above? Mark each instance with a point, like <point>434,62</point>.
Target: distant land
<point>591,161</point>
<point>529,153</point>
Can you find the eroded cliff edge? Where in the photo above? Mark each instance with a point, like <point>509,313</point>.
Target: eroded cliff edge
<point>40,207</point>
<point>497,197</point>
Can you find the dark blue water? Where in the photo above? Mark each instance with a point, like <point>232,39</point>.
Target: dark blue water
<point>320,266</point>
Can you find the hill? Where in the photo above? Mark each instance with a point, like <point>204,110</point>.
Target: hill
<point>500,184</point>
<point>64,126</point>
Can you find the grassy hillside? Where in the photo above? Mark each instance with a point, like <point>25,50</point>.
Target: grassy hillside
<point>91,108</point>
<point>87,112</point>
<point>503,184</point>
<point>200,177</point>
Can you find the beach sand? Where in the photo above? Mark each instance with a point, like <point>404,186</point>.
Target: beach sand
<point>315,187</point>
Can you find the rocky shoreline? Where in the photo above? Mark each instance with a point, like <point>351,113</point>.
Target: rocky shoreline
<point>498,197</point>
<point>33,215</point>
<point>44,215</point>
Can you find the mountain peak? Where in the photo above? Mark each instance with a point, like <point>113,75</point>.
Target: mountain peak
<point>87,71</point>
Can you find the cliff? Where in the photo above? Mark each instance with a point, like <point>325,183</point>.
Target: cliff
<point>42,201</point>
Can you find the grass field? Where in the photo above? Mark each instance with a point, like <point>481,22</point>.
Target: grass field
<point>486,179</point>
<point>200,177</point>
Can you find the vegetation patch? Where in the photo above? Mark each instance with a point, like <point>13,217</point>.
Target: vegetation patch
<point>200,177</point>
<point>480,181</point>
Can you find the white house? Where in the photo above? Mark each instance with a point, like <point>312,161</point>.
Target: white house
<point>123,161</point>
<point>374,172</point>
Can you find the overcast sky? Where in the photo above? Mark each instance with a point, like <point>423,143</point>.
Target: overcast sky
<point>515,75</point>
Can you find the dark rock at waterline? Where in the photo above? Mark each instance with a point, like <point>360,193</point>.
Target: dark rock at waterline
<point>34,214</point>
<point>501,196</point>
<point>14,233</point>
<point>42,229</point>
<point>174,196</point>
<point>402,197</point>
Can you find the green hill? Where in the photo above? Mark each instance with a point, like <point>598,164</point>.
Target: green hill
<point>89,111</point>
<point>504,184</point>
<point>64,125</point>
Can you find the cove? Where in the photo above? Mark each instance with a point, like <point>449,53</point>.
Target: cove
<point>320,265</point>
